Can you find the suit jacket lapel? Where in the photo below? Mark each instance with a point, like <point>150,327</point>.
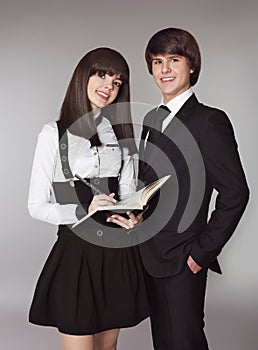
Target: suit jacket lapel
<point>151,153</point>
<point>182,116</point>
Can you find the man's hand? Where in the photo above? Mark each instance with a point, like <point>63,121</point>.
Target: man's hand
<point>193,266</point>
<point>126,223</point>
<point>101,200</point>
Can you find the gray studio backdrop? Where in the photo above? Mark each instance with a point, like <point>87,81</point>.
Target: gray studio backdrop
<point>41,42</point>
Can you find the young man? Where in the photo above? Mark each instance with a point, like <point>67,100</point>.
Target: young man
<point>177,259</point>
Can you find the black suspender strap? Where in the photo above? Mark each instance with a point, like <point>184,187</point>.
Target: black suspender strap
<point>65,192</point>
<point>63,149</point>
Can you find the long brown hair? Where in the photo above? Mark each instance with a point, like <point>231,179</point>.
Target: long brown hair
<point>77,104</point>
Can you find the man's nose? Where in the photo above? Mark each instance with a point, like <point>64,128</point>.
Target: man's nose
<point>166,67</point>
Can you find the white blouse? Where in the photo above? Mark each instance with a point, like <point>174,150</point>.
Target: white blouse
<point>100,161</point>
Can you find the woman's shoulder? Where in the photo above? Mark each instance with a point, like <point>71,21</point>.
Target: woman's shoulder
<point>49,128</point>
<point>49,134</point>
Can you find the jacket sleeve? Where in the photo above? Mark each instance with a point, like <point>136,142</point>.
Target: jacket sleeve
<point>225,174</point>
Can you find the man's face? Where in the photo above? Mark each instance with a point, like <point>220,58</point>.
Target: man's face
<point>172,74</point>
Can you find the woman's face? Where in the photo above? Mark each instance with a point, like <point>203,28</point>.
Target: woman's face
<point>103,89</point>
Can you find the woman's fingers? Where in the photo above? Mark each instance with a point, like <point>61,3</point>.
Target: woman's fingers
<point>124,222</point>
<point>101,200</point>
<point>119,220</point>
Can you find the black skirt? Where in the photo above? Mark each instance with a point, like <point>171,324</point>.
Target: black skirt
<point>85,289</point>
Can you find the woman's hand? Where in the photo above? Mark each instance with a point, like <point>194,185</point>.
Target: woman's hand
<point>101,200</point>
<point>126,223</point>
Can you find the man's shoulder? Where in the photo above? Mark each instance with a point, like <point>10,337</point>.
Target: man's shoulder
<point>205,117</point>
<point>209,109</point>
<point>202,110</point>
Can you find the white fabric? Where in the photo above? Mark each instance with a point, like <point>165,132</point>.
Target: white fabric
<point>87,162</point>
<point>174,105</point>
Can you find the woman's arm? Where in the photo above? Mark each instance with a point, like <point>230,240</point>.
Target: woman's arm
<point>39,201</point>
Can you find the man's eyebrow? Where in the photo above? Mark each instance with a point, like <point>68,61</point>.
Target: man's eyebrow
<point>174,55</point>
<point>169,56</point>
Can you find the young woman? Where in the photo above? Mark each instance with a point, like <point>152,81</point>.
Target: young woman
<point>87,291</point>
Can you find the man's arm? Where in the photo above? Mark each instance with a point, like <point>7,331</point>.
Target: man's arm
<point>226,175</point>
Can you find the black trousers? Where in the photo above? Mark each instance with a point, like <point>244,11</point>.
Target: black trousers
<point>177,310</point>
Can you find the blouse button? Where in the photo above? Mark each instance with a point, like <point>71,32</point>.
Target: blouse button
<point>95,153</point>
<point>96,166</point>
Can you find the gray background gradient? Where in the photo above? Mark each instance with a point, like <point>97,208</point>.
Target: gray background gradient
<point>41,42</point>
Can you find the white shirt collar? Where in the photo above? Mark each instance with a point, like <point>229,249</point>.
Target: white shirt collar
<point>176,103</point>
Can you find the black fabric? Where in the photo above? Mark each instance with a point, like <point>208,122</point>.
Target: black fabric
<point>84,288</point>
<point>76,192</point>
<point>176,294</point>
<point>161,114</point>
<point>63,150</point>
<point>153,131</point>
<point>204,239</point>
<point>177,317</point>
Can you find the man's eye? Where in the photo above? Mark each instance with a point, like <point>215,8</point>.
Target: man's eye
<point>157,62</point>
<point>117,84</point>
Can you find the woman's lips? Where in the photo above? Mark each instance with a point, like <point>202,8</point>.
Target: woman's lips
<point>103,95</point>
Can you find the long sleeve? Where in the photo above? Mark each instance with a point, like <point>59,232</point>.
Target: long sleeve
<point>40,205</point>
<point>226,175</point>
<point>87,161</point>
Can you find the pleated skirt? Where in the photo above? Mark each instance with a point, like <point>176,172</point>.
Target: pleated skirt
<point>86,289</point>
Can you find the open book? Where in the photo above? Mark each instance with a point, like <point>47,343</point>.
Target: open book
<point>137,201</point>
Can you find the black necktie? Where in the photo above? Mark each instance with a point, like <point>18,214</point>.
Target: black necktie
<point>161,115</point>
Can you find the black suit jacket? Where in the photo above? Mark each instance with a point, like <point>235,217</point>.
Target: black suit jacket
<point>199,149</point>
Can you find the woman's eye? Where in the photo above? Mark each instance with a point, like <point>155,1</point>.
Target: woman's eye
<point>101,75</point>
<point>117,84</point>
<point>174,59</point>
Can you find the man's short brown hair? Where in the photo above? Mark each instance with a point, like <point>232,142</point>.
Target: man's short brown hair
<point>175,41</point>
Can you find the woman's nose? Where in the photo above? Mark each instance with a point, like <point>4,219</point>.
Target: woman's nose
<point>109,84</point>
